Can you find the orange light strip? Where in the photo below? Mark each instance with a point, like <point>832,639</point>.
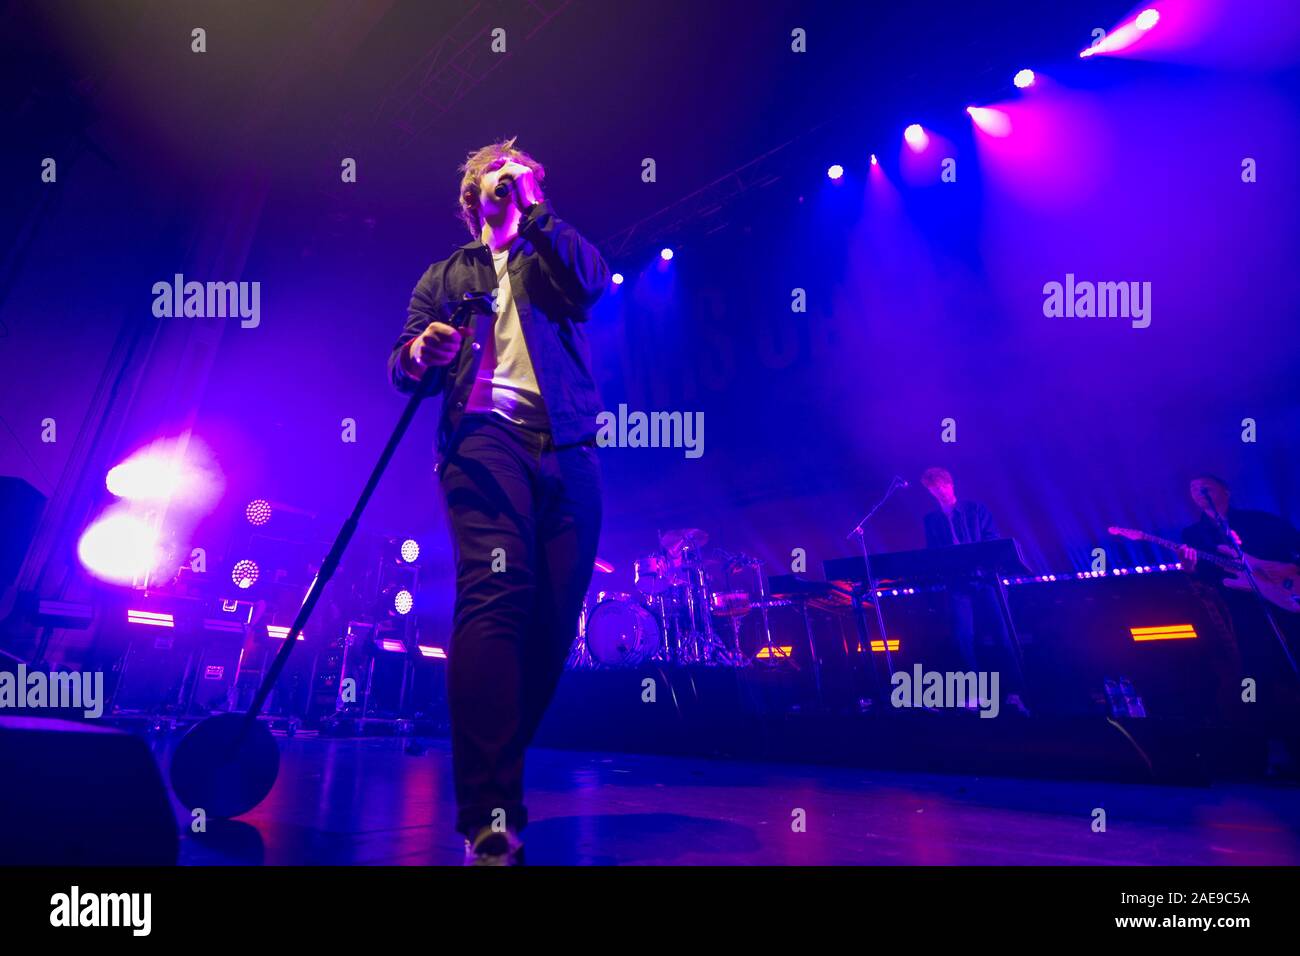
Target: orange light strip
<point>782,652</point>
<point>878,646</point>
<point>1170,632</point>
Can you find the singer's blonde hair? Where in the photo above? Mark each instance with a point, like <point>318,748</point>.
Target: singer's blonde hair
<point>472,170</point>
<point>936,476</point>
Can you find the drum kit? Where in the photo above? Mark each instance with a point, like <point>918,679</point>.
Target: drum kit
<point>687,608</point>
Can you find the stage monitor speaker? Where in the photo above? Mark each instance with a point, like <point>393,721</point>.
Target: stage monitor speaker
<point>20,513</point>
<point>81,795</point>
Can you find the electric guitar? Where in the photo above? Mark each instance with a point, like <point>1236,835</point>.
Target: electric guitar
<point>1278,581</point>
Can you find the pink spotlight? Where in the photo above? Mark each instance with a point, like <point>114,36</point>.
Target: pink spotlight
<point>1024,79</point>
<point>146,477</point>
<point>990,121</point>
<point>665,253</point>
<point>836,172</point>
<point>1125,36</point>
<point>119,548</point>
<point>874,161</point>
<point>916,137</point>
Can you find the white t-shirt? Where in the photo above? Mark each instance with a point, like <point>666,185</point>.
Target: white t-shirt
<point>506,383</point>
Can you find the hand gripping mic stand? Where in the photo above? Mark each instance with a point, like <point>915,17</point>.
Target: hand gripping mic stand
<point>227,764</point>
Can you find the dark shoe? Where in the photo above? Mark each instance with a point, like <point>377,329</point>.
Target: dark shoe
<point>494,848</point>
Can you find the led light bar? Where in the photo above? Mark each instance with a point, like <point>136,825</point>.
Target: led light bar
<point>1170,632</point>
<point>152,618</point>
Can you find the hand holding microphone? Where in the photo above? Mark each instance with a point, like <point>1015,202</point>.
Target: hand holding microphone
<point>518,180</point>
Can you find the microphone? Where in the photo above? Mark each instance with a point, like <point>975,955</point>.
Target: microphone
<point>502,189</point>
<point>902,482</point>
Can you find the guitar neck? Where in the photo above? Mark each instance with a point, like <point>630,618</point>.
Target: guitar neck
<point>1216,559</point>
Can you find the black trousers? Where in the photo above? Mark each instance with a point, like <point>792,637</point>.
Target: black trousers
<point>976,618</point>
<point>525,521</point>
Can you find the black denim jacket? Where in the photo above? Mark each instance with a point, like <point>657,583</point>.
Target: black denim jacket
<point>556,277</point>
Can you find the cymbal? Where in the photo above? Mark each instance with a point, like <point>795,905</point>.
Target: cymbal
<point>675,540</point>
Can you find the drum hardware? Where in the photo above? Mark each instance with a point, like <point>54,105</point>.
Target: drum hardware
<point>579,656</point>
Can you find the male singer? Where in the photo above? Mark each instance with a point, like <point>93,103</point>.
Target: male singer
<point>518,471</point>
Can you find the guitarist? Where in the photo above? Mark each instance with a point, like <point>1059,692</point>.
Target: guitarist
<point>1262,535</point>
<point>1269,537</point>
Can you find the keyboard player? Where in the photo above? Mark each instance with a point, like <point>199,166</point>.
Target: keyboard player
<point>977,623</point>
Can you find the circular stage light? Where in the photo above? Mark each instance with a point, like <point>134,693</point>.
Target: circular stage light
<point>835,172</point>
<point>916,137</point>
<point>1147,19</point>
<point>403,602</point>
<point>258,512</point>
<point>1024,79</point>
<point>665,254</point>
<point>410,550</point>
<point>617,278</point>
<point>244,574</point>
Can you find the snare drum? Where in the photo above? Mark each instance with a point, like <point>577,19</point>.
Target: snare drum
<point>620,632</point>
<point>653,574</point>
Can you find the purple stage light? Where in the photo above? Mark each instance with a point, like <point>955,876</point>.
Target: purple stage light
<point>1024,79</point>
<point>258,512</point>
<point>403,602</point>
<point>665,253</point>
<point>1147,19</point>
<point>410,550</point>
<point>120,548</point>
<point>617,278</point>
<point>835,172</point>
<point>916,137</point>
<point>874,161</point>
<point>990,121</point>
<point>244,574</point>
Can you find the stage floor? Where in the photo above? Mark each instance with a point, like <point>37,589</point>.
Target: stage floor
<point>368,801</point>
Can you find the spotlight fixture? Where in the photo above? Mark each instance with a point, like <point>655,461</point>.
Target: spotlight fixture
<point>410,550</point>
<point>1024,79</point>
<point>835,172</point>
<point>617,278</point>
<point>258,512</point>
<point>665,253</point>
<point>1147,19</point>
<point>403,602</point>
<point>244,574</point>
<point>916,137</point>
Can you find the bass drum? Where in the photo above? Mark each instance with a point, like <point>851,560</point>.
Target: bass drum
<point>622,633</point>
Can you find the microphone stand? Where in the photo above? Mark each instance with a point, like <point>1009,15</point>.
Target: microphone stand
<point>1222,522</point>
<point>430,384</point>
<point>860,531</point>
